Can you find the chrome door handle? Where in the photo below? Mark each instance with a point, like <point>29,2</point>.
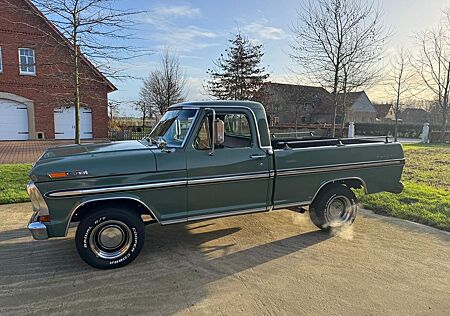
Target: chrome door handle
<point>257,156</point>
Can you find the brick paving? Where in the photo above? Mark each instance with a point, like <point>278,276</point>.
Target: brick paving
<point>29,151</point>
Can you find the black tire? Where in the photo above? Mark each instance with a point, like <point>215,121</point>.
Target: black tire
<point>110,238</point>
<point>324,211</point>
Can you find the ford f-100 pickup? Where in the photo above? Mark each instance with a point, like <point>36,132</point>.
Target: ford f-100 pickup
<point>202,160</point>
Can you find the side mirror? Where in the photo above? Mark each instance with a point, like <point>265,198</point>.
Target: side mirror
<point>219,130</point>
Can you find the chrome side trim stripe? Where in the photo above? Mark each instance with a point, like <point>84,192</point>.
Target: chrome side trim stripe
<point>242,177</point>
<point>210,216</point>
<point>339,167</point>
<point>118,189</point>
<point>288,205</point>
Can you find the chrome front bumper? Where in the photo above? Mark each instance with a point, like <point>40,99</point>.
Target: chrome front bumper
<point>37,229</point>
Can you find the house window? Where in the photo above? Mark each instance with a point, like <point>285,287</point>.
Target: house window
<point>27,62</point>
<point>1,61</point>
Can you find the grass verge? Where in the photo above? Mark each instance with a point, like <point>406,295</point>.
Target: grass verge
<point>13,182</point>
<point>426,197</point>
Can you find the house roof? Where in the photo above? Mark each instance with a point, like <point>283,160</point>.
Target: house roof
<point>382,109</point>
<point>359,102</point>
<point>352,96</point>
<point>61,35</point>
<point>291,93</point>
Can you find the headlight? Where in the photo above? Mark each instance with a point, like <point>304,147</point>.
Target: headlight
<point>37,200</point>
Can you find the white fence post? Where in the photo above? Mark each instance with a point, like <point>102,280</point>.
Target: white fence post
<point>425,133</point>
<point>351,130</point>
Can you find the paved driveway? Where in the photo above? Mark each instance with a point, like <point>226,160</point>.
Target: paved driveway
<point>28,151</point>
<point>274,263</point>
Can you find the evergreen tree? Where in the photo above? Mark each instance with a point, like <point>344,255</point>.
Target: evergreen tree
<point>238,75</point>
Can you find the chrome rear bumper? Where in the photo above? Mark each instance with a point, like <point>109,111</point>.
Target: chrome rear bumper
<point>37,229</point>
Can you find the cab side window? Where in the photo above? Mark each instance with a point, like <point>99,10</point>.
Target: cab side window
<point>237,132</point>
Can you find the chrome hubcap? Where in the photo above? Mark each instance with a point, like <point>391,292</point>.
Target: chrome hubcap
<point>339,210</point>
<point>111,237</point>
<point>110,240</point>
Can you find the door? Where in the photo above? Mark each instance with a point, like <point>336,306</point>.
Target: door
<point>13,120</point>
<point>235,177</point>
<point>64,118</point>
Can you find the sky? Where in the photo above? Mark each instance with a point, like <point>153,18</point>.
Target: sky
<point>199,31</point>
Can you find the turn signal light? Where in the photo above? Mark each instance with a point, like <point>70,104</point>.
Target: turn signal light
<point>57,175</point>
<point>44,218</point>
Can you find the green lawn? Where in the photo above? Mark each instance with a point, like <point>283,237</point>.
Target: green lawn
<point>426,197</point>
<point>13,182</point>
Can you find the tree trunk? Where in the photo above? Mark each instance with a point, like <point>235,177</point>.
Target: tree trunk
<point>77,100</point>
<point>444,125</point>
<point>397,107</point>
<point>335,101</point>
<point>334,114</point>
<point>344,115</point>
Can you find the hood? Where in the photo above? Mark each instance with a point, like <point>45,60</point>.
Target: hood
<point>85,149</point>
<point>94,160</point>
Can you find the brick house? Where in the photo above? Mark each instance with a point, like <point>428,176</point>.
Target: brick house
<point>290,104</point>
<point>298,104</point>
<point>36,83</point>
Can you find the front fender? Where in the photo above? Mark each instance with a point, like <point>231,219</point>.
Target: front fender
<point>63,210</point>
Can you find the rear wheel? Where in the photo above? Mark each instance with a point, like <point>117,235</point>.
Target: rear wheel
<point>335,206</point>
<point>110,238</point>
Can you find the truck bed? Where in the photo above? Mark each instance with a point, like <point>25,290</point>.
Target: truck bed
<point>304,165</point>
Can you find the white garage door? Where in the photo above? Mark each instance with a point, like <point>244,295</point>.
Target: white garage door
<point>65,123</point>
<point>13,120</point>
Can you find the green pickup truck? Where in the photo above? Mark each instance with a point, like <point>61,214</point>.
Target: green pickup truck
<point>202,160</point>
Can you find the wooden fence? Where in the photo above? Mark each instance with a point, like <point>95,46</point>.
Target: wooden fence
<point>126,135</point>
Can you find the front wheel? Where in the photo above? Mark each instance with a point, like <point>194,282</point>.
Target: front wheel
<point>334,207</point>
<point>110,238</point>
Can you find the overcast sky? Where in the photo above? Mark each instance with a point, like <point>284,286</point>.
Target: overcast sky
<point>199,31</point>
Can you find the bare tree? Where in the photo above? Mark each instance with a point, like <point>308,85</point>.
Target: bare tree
<point>433,66</point>
<point>400,82</point>
<point>166,84</point>
<point>332,36</point>
<point>94,31</point>
<point>360,71</point>
<point>145,109</point>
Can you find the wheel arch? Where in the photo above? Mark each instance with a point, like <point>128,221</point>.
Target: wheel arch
<point>82,209</point>
<point>351,182</point>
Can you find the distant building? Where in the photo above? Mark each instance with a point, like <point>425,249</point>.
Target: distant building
<point>414,115</point>
<point>290,104</point>
<point>361,109</point>
<point>385,111</point>
<point>298,104</point>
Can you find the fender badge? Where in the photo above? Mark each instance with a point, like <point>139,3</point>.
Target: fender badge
<point>64,174</point>
<point>78,173</point>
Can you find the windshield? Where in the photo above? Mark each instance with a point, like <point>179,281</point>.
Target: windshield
<point>173,127</point>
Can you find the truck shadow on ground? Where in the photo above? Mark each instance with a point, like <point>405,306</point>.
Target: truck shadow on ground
<point>172,273</point>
